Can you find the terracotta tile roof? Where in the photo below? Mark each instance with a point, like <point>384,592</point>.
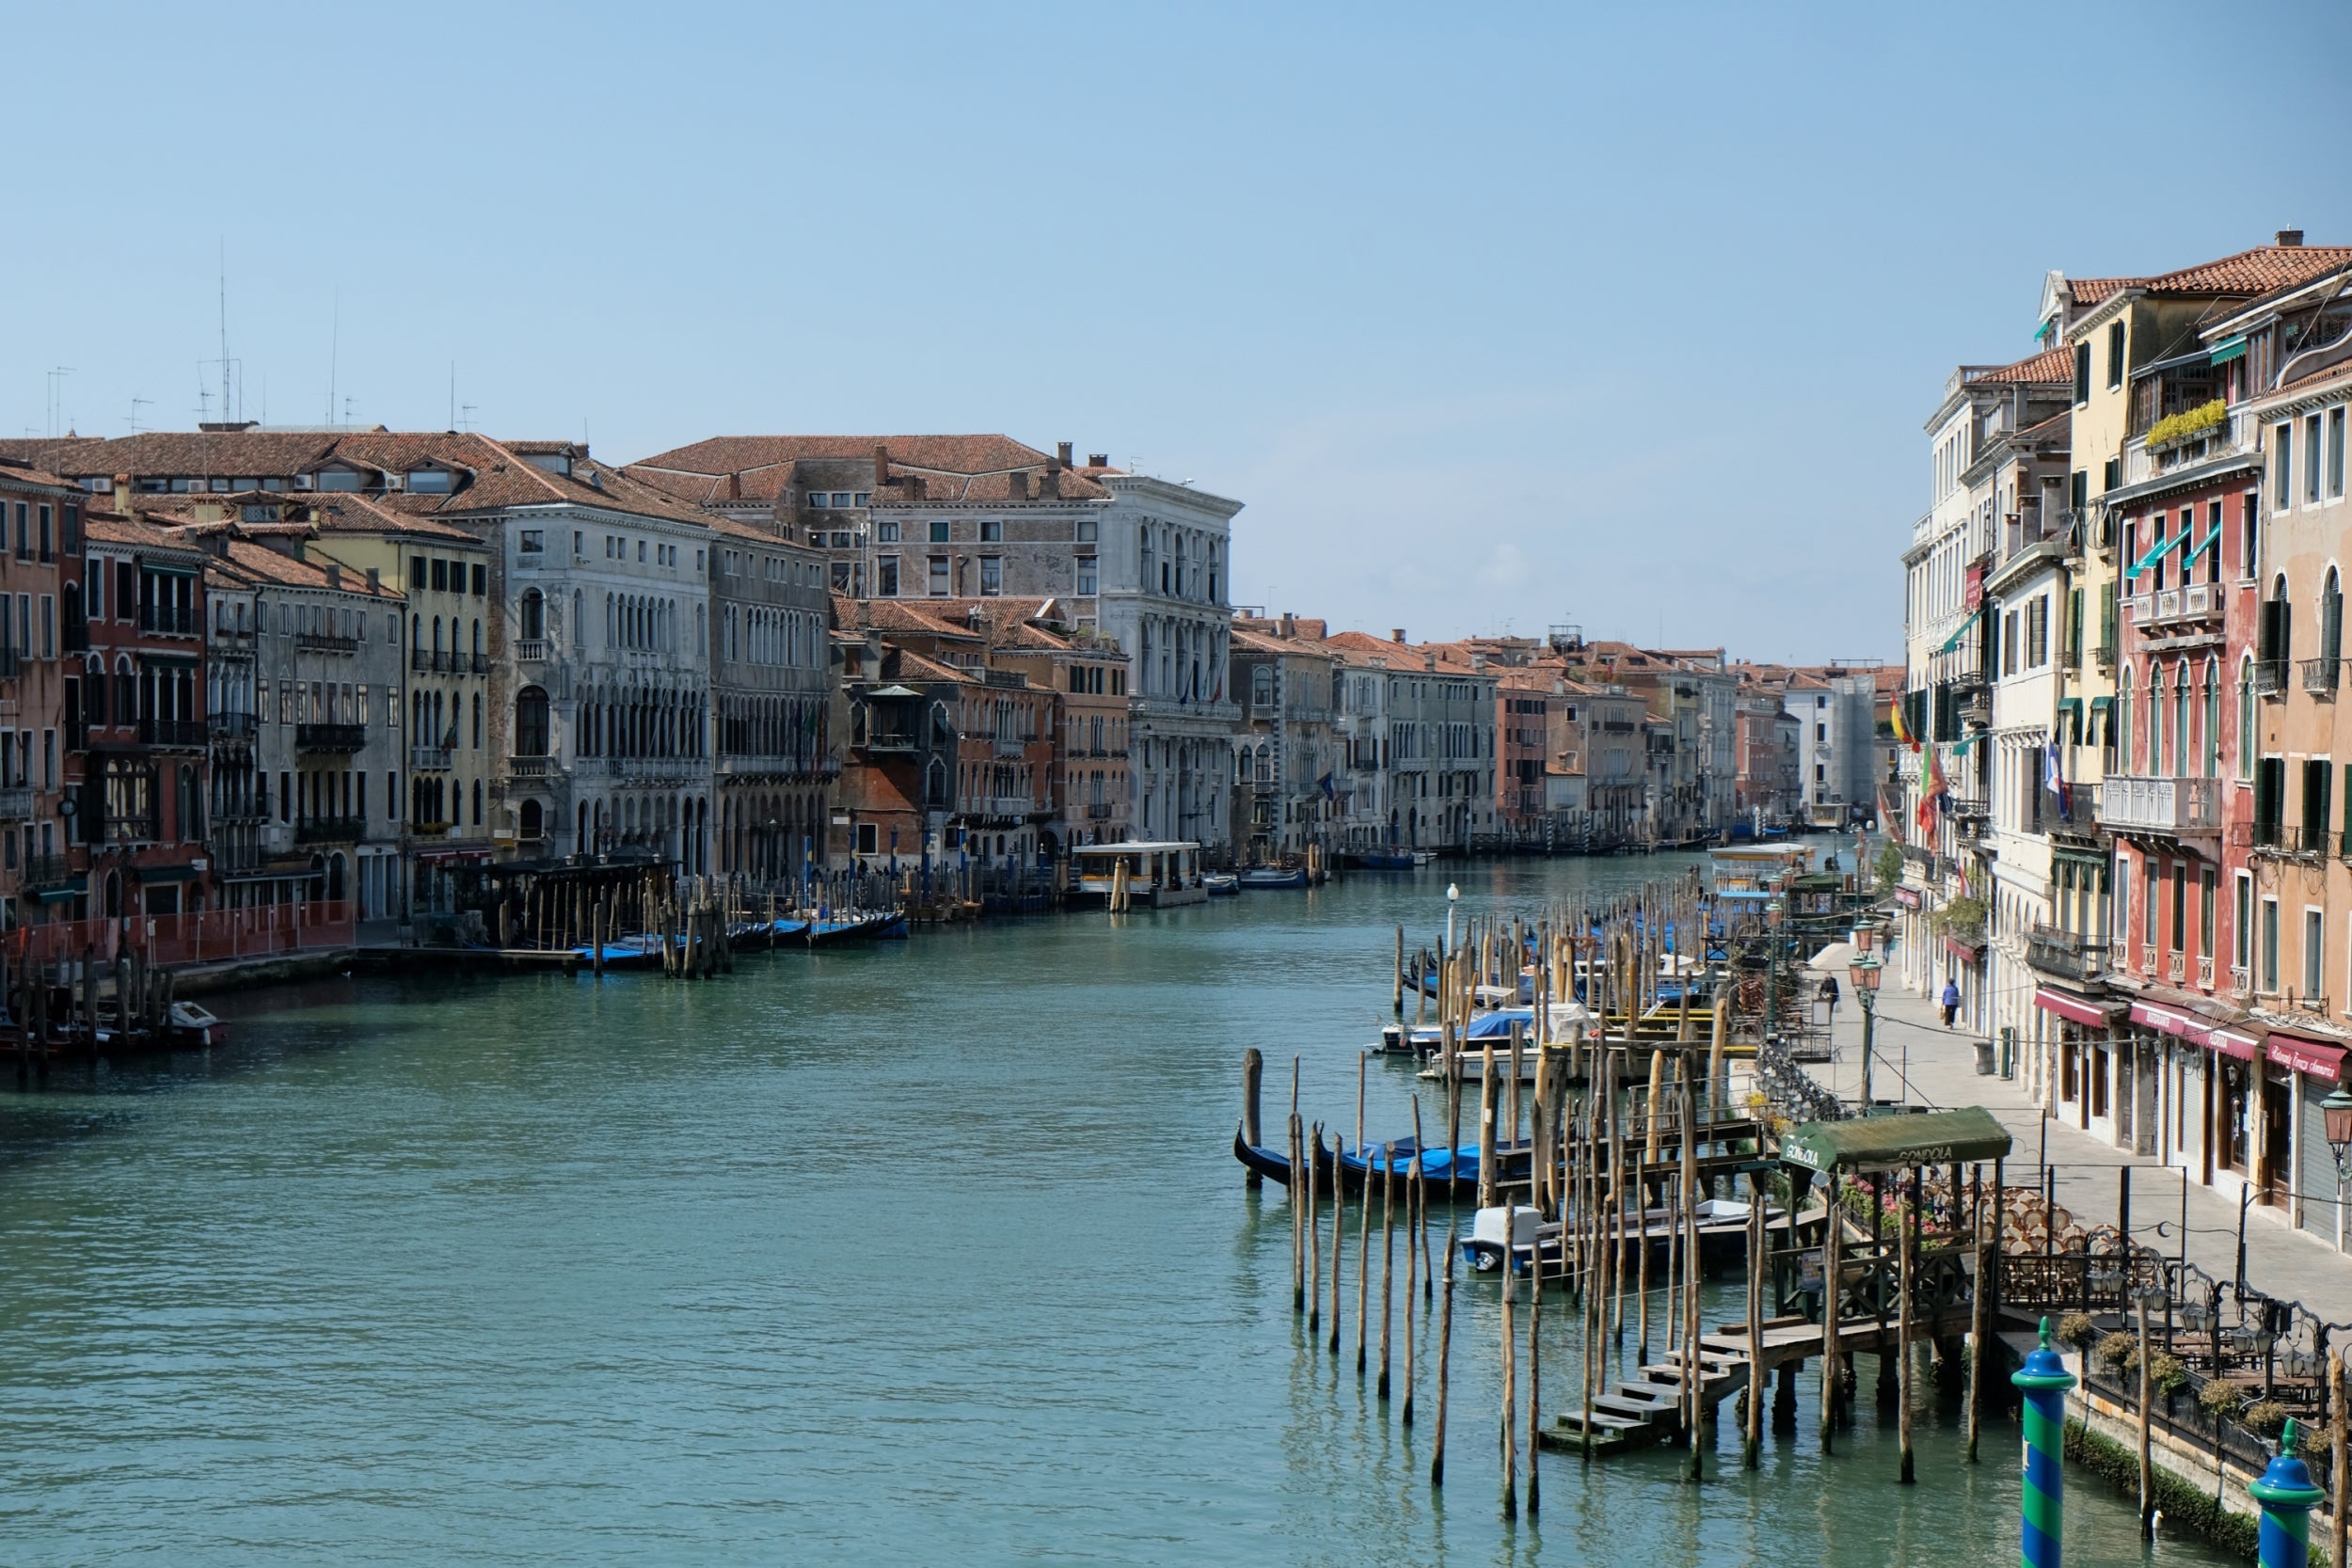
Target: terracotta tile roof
<point>2256,271</point>
<point>970,469</point>
<point>915,667</point>
<point>259,563</point>
<point>111,528</point>
<point>2051,367</point>
<point>2089,292</point>
<point>23,474</point>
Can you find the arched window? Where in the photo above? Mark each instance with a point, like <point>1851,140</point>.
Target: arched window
<point>2124,737</point>
<point>530,722</point>
<point>126,693</point>
<point>2180,719</point>
<point>2330,626</point>
<point>2211,762</point>
<point>579,627</point>
<point>2245,719</point>
<point>534,616</point>
<point>533,820</point>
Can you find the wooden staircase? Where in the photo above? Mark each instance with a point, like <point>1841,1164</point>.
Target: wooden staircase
<point>1646,1409</point>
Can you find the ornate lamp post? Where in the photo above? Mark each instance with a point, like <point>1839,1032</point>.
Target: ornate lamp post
<point>1453,896</point>
<point>1772,915</point>
<point>1865,973</point>
<point>2335,1112</point>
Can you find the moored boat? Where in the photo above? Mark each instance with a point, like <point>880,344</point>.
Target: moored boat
<point>1220,884</point>
<point>1261,879</point>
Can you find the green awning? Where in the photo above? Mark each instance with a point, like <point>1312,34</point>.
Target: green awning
<point>2229,349</point>
<point>2202,545</point>
<point>1896,1143</point>
<point>2150,558</point>
<point>1953,641</point>
<point>61,892</point>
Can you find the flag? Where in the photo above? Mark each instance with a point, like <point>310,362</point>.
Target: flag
<point>1903,731</point>
<point>2056,779</point>
<point>1325,784</point>
<point>1935,793</point>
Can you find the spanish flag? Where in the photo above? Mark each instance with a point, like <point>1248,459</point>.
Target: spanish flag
<point>1903,731</point>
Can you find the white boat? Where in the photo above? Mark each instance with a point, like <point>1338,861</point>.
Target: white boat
<point>1159,874</point>
<point>1219,884</point>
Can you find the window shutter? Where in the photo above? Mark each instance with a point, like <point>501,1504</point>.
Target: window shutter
<point>2082,373</point>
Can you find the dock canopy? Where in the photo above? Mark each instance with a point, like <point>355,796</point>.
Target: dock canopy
<point>1896,1143</point>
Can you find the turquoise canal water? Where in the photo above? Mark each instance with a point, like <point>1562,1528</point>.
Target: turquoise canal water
<point>933,1252</point>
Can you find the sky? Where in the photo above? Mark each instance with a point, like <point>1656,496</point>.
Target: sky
<point>1495,318</point>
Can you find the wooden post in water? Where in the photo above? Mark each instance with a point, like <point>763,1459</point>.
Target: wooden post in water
<point>1445,1363</point>
<point>1832,1268</point>
<point>1363,1233</point>
<point>1487,1184</point>
<point>1906,1242</point>
<point>1388,1258</point>
<point>1980,1324</point>
<point>1694,1393</point>
<point>2338,1460</point>
<point>1397,998</point>
<point>2147,1470</point>
<point>1428,1268</point>
<point>1252,1069</point>
<point>1416,1221</point>
<point>1759,1237</point>
<point>1535,1365</point>
<point>1314,1237</point>
<point>1510,1388</point>
<point>1298,1240</point>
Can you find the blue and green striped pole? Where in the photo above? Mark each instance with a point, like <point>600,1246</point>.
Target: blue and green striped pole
<point>2045,1380</point>
<point>2287,1498</point>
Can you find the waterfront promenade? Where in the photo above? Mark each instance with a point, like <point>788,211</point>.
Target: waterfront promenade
<point>1915,1056</point>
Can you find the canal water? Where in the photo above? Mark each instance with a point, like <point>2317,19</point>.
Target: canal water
<point>930,1253</point>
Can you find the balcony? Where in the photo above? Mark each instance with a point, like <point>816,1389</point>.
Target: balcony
<point>320,642</point>
<point>330,738</point>
<point>2167,806</point>
<point>1011,746</point>
<point>178,735</point>
<point>1099,810</point>
<point>47,871</point>
<point>330,829</point>
<point>531,650</point>
<point>2270,677</point>
<point>233,726</point>
<point>533,768</point>
<point>16,803</point>
<point>890,740</point>
<point>429,759</point>
<point>478,663</point>
<point>169,620</point>
<point>2319,676</point>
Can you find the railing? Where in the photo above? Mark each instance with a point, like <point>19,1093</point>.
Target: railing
<point>46,871</point>
<point>2168,604</point>
<point>185,939</point>
<point>330,829</point>
<point>1011,746</point>
<point>480,663</point>
<point>330,738</point>
<point>420,659</point>
<point>1010,805</point>
<point>2201,599</point>
<point>2143,607</point>
<point>16,802</point>
<point>2204,971</point>
<point>179,734</point>
<point>2176,968</point>
<point>2319,676</point>
<point>233,726</point>
<point>532,767</point>
<point>429,759</point>
<point>2270,677</point>
<point>1098,811</point>
<point>170,620</point>
<point>2175,805</point>
<point>2104,656</point>
<point>323,642</point>
<point>2066,953</point>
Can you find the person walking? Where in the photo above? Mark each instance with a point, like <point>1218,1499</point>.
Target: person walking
<point>1829,994</point>
<point>1951,1002</point>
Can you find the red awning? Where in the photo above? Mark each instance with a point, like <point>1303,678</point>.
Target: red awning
<point>2316,1057</point>
<point>2074,1007</point>
<point>2198,1031</point>
<point>1966,952</point>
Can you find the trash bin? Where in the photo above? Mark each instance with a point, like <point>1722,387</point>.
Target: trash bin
<point>1985,1065</point>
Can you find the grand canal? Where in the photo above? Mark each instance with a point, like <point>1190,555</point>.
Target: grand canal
<point>934,1253</point>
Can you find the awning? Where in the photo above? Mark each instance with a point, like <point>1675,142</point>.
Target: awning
<point>59,893</point>
<point>2150,558</point>
<point>1966,952</point>
<point>153,874</point>
<point>2229,349</point>
<point>2211,534</point>
<point>2196,1030</point>
<point>2316,1057</point>
<point>1895,1143</point>
<point>2098,1015</point>
<point>1953,641</point>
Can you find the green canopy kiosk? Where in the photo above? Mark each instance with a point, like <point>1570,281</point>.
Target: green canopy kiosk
<point>1896,1143</point>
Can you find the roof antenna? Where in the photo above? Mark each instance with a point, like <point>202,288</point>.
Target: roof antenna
<point>137,402</point>
<point>453,394</point>
<point>224,331</point>
<point>334,345</point>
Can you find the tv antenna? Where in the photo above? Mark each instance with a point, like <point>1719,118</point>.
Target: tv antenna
<point>138,402</point>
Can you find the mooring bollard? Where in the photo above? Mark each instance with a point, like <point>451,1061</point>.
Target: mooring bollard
<point>2287,1498</point>
<point>2044,1380</point>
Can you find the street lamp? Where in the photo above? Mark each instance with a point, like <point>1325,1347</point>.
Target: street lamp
<point>1865,972</point>
<point>1453,896</point>
<point>2336,1113</point>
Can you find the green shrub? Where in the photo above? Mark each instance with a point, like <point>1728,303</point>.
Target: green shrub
<point>2266,1416</point>
<point>2076,1328</point>
<point>2187,1509</point>
<point>2218,1398</point>
<point>2166,1374</point>
<point>2119,1351</point>
<point>2188,424</point>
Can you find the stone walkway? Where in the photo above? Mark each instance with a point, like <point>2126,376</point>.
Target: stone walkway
<point>1914,1058</point>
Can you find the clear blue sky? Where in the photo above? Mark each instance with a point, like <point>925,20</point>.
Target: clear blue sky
<point>1492,315</point>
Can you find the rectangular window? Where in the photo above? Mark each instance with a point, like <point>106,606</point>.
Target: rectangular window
<point>2148,907</point>
<point>534,542</point>
<point>1087,579</point>
<point>2180,905</point>
<point>939,531</point>
<point>2241,931</point>
<point>2123,903</point>
<point>2283,469</point>
<point>48,625</point>
<point>992,530</point>
<point>2115,355</point>
<point>938,564</point>
<point>2082,373</point>
<point>481,580</point>
<point>2205,886</point>
<point>992,576</point>
<point>2311,459</point>
<point>440,575</point>
<point>2038,632</point>
<point>2271,946</point>
<point>2335,457</point>
<point>887,576</point>
<point>2314,924</point>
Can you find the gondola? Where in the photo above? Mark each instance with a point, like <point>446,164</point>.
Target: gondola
<point>1381,860</point>
<point>1263,879</point>
<point>864,927</point>
<point>1441,1170</point>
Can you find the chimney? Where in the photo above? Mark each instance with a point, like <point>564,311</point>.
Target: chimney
<point>1020,481</point>
<point>882,465</point>
<point>335,573</point>
<point>1061,458</point>
<point>375,579</point>
<point>122,486</point>
<point>1396,634</point>
<point>1478,661</point>
<point>2290,236</point>
<point>1098,460</point>
<point>1290,624</point>
<point>1049,483</point>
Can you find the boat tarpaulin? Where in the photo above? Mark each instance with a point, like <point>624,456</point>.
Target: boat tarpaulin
<point>2076,1007</point>
<point>2316,1057</point>
<point>1497,1024</point>
<point>1895,1143</point>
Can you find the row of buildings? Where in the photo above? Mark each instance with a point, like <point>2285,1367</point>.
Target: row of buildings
<point>247,667</point>
<point>2127,819</point>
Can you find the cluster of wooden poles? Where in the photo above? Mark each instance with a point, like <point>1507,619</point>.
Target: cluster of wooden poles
<point>689,918</point>
<point>139,1003</point>
<point>1594,1163</point>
